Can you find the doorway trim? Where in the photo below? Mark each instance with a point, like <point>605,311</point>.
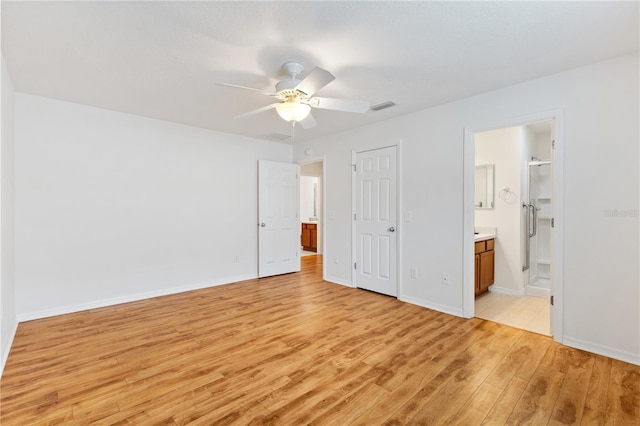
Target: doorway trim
<point>557,265</point>
<point>323,160</point>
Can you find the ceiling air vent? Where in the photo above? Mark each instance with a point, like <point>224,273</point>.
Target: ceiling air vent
<point>383,105</point>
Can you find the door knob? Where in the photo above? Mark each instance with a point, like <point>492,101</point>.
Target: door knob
<point>392,229</point>
<point>263,224</point>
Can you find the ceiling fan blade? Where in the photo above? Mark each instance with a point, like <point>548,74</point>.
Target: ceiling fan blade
<point>264,92</point>
<point>346,105</point>
<point>256,111</point>
<point>316,80</point>
<point>308,122</point>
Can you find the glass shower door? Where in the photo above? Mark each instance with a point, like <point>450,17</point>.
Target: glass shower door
<point>538,224</point>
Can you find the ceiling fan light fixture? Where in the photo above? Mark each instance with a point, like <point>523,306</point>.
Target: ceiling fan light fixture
<point>293,111</point>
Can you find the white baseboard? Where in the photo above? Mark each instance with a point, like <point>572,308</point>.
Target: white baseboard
<point>537,291</point>
<point>507,291</point>
<point>61,310</point>
<point>5,351</point>
<point>338,281</point>
<point>435,306</point>
<point>602,350</point>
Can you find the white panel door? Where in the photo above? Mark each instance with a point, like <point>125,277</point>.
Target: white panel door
<point>375,218</point>
<point>278,222</point>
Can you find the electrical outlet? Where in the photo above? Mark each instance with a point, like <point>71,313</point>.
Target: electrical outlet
<point>445,279</point>
<point>335,259</point>
<point>237,259</point>
<point>413,273</point>
<point>408,216</point>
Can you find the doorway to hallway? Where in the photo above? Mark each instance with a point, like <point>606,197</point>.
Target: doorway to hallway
<point>312,208</point>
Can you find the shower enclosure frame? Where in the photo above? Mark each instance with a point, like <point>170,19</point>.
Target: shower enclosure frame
<point>531,206</point>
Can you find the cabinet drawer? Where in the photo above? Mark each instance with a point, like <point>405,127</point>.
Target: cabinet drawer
<point>311,226</point>
<point>482,246</point>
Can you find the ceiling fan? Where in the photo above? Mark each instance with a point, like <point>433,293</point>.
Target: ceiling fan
<point>295,97</point>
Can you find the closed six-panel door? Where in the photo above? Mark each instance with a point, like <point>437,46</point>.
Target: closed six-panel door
<point>375,220</point>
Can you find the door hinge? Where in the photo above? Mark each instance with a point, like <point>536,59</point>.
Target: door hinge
<point>354,265</point>
<point>553,144</point>
<point>553,222</point>
<point>354,216</point>
<point>551,300</point>
<point>355,169</point>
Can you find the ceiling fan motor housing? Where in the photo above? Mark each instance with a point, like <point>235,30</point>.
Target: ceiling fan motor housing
<point>294,69</point>
<point>286,88</point>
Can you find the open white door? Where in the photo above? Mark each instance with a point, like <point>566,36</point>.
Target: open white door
<point>278,222</point>
<point>375,220</point>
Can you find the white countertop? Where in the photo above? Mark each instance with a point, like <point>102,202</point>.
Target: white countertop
<point>309,222</point>
<point>483,236</point>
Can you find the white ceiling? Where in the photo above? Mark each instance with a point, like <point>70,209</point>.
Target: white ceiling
<point>163,59</point>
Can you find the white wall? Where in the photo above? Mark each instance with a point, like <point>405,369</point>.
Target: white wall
<point>311,169</point>
<point>308,189</point>
<point>8,319</point>
<point>113,207</point>
<point>503,148</point>
<point>542,145</point>
<point>601,311</point>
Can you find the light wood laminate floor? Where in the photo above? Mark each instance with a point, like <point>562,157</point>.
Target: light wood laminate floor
<point>295,350</point>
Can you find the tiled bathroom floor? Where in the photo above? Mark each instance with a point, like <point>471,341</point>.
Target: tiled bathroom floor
<point>528,313</point>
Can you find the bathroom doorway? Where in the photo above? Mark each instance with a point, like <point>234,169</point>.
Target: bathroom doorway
<point>518,210</point>
<point>311,208</point>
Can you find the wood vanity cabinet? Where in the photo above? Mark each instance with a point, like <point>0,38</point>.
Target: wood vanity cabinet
<point>309,236</point>
<point>484,265</point>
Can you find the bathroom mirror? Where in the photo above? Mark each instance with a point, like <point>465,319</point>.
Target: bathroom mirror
<point>308,198</point>
<point>315,198</point>
<point>484,186</point>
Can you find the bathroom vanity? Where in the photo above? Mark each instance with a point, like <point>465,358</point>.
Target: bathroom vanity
<point>484,263</point>
<point>309,236</point>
